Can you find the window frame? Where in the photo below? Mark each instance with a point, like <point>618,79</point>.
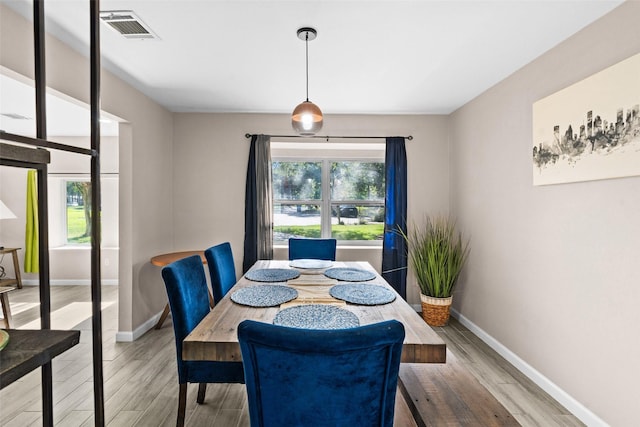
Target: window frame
<point>326,156</point>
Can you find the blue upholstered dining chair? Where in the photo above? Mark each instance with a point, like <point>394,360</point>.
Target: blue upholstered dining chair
<point>302,377</point>
<point>312,249</point>
<point>186,285</point>
<point>221,269</point>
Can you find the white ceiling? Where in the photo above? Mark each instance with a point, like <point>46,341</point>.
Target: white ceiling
<point>378,57</point>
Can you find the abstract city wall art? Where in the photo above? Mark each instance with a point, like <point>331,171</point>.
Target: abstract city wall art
<point>590,130</point>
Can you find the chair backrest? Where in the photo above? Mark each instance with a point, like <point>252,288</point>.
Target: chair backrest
<point>304,377</point>
<point>186,285</point>
<point>221,269</point>
<point>312,249</point>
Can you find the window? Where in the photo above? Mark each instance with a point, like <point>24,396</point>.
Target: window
<point>67,218</point>
<point>78,212</point>
<point>334,194</point>
<point>357,200</point>
<point>297,199</point>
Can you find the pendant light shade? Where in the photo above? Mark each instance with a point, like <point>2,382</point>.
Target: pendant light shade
<point>307,117</point>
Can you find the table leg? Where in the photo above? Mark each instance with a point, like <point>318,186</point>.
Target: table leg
<point>6,310</point>
<point>163,316</point>
<point>211,303</point>
<point>16,268</point>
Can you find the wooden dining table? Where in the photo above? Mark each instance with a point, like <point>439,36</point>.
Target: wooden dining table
<point>215,337</point>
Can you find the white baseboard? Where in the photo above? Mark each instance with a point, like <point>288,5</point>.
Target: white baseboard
<point>83,282</point>
<point>139,331</point>
<point>571,404</point>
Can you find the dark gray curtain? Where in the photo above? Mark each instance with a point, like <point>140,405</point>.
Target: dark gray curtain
<point>394,247</point>
<point>258,210</point>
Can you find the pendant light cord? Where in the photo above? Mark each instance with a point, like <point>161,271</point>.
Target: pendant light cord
<point>306,52</point>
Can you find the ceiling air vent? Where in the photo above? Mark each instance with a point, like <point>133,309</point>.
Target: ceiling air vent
<point>127,23</point>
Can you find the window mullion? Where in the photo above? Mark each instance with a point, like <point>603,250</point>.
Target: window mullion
<point>326,200</point>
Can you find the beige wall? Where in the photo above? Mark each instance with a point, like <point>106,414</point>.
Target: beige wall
<point>553,271</point>
<point>210,166</point>
<point>145,162</point>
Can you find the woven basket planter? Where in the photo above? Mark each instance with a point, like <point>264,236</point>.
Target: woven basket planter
<point>435,311</point>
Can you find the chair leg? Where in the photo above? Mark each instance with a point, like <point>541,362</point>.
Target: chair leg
<point>202,390</point>
<point>182,404</point>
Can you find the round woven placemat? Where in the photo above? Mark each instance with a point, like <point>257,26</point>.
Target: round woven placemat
<point>272,274</point>
<point>264,295</point>
<point>310,264</point>
<point>361,294</point>
<point>350,274</point>
<point>316,316</point>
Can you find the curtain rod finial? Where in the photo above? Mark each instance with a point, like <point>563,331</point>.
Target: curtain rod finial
<point>410,138</point>
<point>247,135</point>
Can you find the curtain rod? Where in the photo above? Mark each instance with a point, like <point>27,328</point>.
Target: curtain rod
<point>327,137</point>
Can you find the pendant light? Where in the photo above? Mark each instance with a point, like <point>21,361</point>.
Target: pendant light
<point>307,117</point>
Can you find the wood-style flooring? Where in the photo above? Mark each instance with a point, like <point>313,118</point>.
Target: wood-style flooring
<point>140,378</point>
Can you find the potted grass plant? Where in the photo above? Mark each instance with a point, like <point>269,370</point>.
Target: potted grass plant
<point>437,253</point>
